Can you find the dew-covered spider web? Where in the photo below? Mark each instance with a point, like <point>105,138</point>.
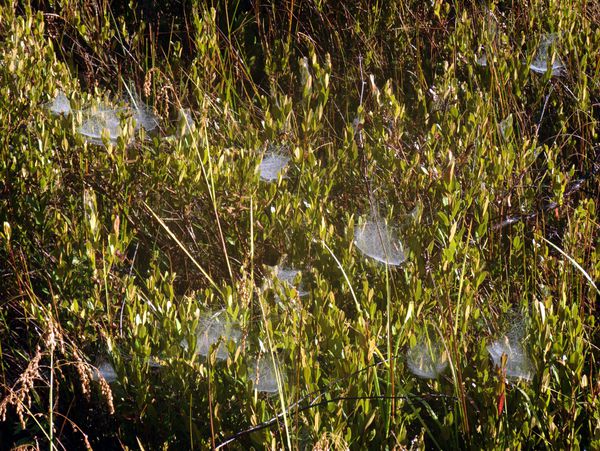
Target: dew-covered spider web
<point>518,364</point>
<point>272,164</point>
<point>545,58</point>
<point>376,239</point>
<point>288,277</point>
<point>427,358</point>
<point>105,371</point>
<point>105,120</point>
<point>60,104</point>
<point>262,374</point>
<point>214,329</point>
<point>101,120</point>
<point>144,118</point>
<point>141,113</point>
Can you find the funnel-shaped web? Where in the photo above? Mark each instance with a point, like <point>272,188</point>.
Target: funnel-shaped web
<point>544,57</point>
<point>288,276</point>
<point>214,328</point>
<point>271,165</point>
<point>141,113</point>
<point>518,365</point>
<point>105,371</point>
<point>107,119</point>
<point>60,104</point>
<point>144,118</point>
<point>427,359</point>
<point>262,374</point>
<point>102,119</point>
<point>377,240</point>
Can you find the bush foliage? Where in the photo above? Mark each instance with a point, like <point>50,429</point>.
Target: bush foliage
<point>113,251</point>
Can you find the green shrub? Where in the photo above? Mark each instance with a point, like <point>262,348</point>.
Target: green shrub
<point>112,252</point>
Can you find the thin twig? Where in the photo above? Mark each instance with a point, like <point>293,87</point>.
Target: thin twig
<point>574,263</point>
<point>275,419</point>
